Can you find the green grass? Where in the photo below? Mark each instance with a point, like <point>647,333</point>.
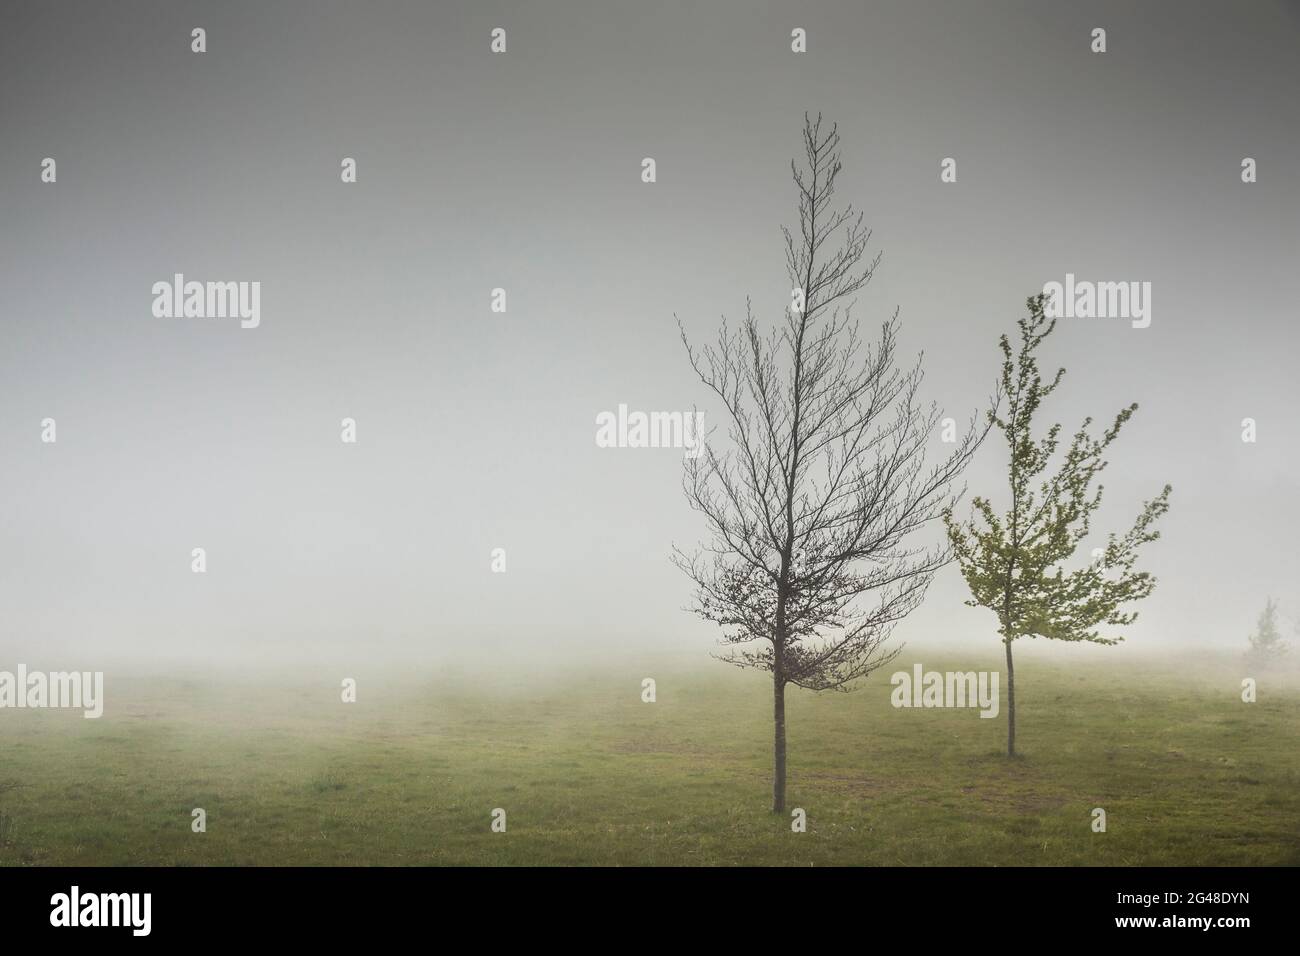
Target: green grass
<point>588,774</point>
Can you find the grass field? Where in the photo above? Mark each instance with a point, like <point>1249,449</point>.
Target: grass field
<point>588,774</point>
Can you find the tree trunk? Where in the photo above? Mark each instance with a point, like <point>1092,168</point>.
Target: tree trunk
<point>1011,703</point>
<point>778,764</point>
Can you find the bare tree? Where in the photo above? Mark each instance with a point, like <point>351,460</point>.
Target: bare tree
<point>813,505</point>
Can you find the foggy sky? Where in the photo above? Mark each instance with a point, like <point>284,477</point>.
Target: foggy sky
<point>522,170</point>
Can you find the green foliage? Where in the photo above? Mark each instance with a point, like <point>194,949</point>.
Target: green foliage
<point>1014,563</point>
<point>1266,644</point>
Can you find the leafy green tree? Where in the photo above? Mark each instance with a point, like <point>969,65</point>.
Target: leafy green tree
<point>1266,644</point>
<point>1015,563</point>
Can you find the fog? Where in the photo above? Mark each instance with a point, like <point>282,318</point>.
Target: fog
<point>475,430</point>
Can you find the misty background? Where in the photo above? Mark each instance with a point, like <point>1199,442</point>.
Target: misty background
<point>476,430</point>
